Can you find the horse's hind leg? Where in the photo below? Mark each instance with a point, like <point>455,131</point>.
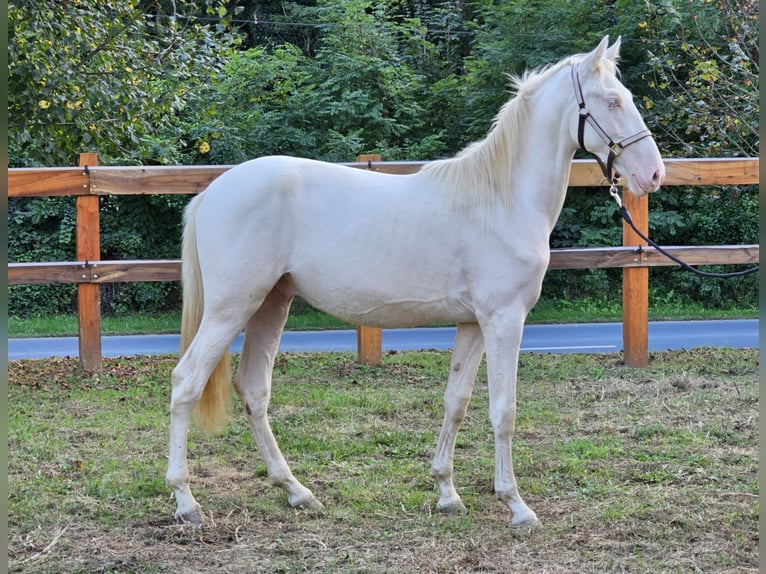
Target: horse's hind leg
<point>253,384</point>
<point>189,379</point>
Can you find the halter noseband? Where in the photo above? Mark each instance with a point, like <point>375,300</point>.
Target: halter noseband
<point>615,149</point>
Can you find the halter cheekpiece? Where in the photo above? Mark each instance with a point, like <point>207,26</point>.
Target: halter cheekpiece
<point>615,149</point>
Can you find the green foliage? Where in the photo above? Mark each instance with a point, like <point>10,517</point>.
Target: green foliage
<point>678,216</point>
<point>133,227</point>
<point>514,36</point>
<point>708,217</point>
<point>704,58</point>
<point>41,230</point>
<point>700,97</point>
<point>109,77</point>
<point>141,227</point>
<point>359,92</point>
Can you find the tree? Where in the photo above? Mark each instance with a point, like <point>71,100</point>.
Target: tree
<point>703,101</point>
<point>90,75</point>
<point>360,91</point>
<point>705,65</point>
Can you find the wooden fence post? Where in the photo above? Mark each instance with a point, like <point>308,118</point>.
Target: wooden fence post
<point>369,340</point>
<point>88,294</point>
<point>635,286</point>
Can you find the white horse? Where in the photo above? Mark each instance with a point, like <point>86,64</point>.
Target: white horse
<point>463,240</point>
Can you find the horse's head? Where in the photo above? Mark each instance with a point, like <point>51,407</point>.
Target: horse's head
<point>609,124</point>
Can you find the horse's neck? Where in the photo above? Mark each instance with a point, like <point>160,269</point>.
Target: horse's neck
<point>518,174</point>
<point>541,170</point>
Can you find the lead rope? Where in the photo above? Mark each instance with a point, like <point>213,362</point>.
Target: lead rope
<point>629,220</point>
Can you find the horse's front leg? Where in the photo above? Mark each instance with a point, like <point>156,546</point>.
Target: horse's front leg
<point>502,339</point>
<point>469,348</point>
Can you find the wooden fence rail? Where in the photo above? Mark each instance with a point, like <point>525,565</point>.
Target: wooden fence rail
<point>87,181</point>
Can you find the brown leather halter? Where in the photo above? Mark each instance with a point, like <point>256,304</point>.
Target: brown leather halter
<point>615,149</point>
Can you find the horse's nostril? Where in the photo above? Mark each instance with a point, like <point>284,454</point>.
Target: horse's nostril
<point>657,177</point>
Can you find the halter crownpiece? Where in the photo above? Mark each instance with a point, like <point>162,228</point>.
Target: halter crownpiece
<point>615,149</point>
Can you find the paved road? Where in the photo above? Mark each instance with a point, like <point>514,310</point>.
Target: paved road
<point>575,338</point>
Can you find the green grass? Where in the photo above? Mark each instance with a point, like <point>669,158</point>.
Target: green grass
<point>651,470</point>
<point>603,310</point>
<point>66,325</point>
<point>304,318</point>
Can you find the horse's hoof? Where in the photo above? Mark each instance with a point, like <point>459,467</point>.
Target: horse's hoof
<point>193,517</point>
<point>306,502</point>
<point>451,507</point>
<point>526,521</point>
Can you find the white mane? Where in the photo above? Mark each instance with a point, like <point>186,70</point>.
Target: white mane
<point>481,172</point>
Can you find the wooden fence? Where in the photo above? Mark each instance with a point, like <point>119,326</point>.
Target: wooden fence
<point>88,181</point>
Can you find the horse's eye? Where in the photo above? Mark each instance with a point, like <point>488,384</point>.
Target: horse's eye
<point>614,103</point>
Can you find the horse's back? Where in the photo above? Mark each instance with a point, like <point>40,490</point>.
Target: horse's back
<point>301,184</point>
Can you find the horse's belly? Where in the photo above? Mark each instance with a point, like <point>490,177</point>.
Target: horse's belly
<point>383,302</point>
<point>394,314</point>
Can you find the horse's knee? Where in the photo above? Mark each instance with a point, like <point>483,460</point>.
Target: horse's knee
<point>503,420</point>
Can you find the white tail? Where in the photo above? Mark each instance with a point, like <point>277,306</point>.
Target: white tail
<point>212,410</point>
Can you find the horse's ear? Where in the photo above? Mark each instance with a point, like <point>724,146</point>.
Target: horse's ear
<point>592,60</point>
<point>613,52</point>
